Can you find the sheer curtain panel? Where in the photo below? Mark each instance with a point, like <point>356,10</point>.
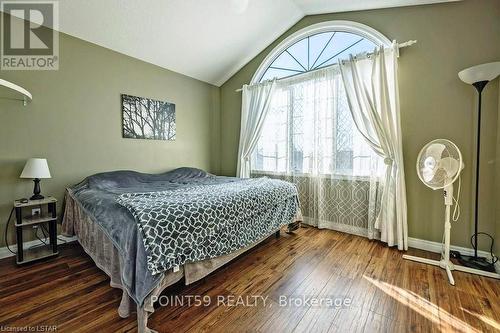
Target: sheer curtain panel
<point>256,100</point>
<point>371,86</point>
<point>309,138</point>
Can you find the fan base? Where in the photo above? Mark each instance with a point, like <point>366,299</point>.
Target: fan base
<point>449,267</point>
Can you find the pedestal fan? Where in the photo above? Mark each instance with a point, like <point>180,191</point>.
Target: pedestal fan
<point>439,165</point>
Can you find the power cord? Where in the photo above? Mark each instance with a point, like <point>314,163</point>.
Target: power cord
<point>473,239</point>
<point>43,228</point>
<point>473,242</point>
<point>6,231</point>
<point>38,237</point>
<point>456,209</point>
<point>46,234</point>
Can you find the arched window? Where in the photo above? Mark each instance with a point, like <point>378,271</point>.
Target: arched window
<point>318,46</point>
<point>309,129</point>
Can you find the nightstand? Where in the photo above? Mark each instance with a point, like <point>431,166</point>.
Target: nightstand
<point>25,219</point>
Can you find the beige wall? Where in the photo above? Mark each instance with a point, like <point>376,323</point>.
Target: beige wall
<point>434,102</point>
<point>75,121</point>
<point>496,201</point>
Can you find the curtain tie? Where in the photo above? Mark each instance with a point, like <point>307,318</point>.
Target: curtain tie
<point>388,161</point>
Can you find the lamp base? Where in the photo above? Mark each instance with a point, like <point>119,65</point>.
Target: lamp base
<point>37,197</point>
<point>36,190</point>
<point>480,263</point>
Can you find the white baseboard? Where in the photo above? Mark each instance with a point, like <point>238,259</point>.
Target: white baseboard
<point>5,253</point>
<point>436,247</point>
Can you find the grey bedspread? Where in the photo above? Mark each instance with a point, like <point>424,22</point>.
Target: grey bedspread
<point>97,195</point>
<point>207,221</point>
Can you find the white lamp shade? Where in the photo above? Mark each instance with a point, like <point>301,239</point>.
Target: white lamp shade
<point>484,72</point>
<point>36,168</point>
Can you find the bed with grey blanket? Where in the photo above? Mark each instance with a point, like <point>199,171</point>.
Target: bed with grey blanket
<point>159,222</point>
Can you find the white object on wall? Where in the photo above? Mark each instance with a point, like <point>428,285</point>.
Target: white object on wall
<point>15,92</point>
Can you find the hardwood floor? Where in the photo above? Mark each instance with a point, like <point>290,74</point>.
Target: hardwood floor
<point>387,294</point>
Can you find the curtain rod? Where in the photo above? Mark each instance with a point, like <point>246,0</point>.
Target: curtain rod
<point>400,45</point>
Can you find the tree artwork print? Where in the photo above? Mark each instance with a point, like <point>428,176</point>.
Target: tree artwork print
<point>145,118</point>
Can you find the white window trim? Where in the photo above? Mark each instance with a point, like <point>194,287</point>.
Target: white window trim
<point>338,25</point>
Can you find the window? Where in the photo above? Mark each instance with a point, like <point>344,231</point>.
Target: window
<point>309,128</point>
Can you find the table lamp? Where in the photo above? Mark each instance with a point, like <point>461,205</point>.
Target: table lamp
<point>36,168</point>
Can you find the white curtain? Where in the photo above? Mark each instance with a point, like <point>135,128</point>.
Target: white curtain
<point>309,138</point>
<point>255,105</point>
<point>372,91</point>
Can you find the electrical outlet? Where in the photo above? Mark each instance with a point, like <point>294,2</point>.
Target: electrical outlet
<point>35,211</point>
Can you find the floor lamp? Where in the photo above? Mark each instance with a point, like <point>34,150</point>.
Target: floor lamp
<point>478,76</point>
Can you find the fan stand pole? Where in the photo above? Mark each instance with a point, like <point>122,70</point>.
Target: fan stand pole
<point>445,262</point>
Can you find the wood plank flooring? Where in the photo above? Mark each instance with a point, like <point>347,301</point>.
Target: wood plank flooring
<point>387,294</point>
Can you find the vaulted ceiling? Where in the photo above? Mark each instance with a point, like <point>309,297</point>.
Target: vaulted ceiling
<point>209,40</point>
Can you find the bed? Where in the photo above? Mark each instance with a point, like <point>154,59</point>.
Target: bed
<point>149,231</point>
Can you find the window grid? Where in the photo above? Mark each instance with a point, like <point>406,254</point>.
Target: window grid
<point>324,50</point>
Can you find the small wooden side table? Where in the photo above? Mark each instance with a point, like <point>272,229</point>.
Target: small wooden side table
<point>47,214</point>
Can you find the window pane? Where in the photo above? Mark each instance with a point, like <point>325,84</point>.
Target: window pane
<point>316,44</point>
<point>299,51</point>
<point>286,61</point>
